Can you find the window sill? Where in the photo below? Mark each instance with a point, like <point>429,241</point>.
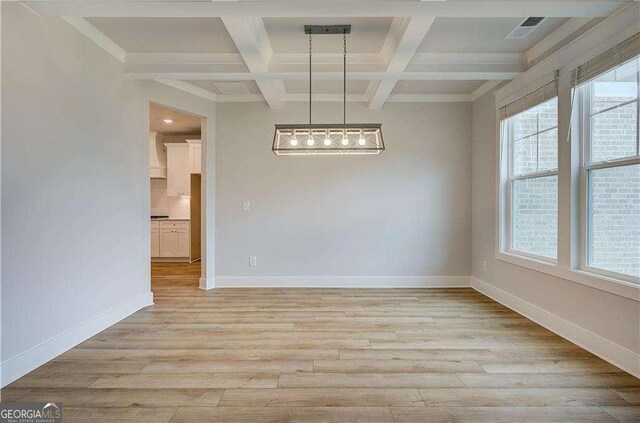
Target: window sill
<point>603,283</point>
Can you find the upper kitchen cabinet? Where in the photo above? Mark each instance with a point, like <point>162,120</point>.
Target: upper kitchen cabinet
<point>178,169</point>
<point>183,159</point>
<point>196,155</point>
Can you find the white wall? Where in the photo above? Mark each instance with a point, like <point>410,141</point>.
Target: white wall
<point>74,190</point>
<point>614,318</point>
<point>397,219</point>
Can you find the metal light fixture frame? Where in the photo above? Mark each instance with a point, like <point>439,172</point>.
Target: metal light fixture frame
<point>325,139</point>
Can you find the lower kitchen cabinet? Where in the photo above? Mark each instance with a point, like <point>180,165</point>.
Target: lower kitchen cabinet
<point>155,239</point>
<point>172,239</point>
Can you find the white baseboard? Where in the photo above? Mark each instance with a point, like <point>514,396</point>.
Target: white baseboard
<point>615,354</point>
<point>342,282</point>
<point>206,283</point>
<point>23,363</point>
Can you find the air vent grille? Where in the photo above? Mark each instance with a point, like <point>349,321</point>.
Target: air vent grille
<point>531,21</point>
<point>524,28</point>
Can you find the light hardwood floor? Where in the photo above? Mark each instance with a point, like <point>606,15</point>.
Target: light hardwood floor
<point>327,355</point>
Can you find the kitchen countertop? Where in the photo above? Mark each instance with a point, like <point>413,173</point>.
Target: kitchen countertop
<point>169,218</point>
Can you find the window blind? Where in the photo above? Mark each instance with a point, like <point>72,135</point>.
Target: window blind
<point>535,97</point>
<point>615,56</point>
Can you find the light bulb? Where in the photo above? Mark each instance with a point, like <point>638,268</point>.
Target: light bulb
<point>327,141</point>
<point>294,142</point>
<point>345,140</point>
<point>361,141</point>
<point>310,141</point>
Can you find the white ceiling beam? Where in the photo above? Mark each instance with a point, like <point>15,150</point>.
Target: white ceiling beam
<point>429,98</point>
<point>394,34</point>
<point>328,8</point>
<point>296,59</point>
<point>283,59</point>
<point>322,98</point>
<point>96,36</point>
<point>252,41</point>
<point>337,98</point>
<point>408,34</point>
<point>291,76</point>
<point>483,89</point>
<point>189,88</point>
<point>250,37</point>
<point>380,91</point>
<point>273,91</point>
<point>469,59</point>
<point>395,98</point>
<point>563,32</point>
<point>295,71</point>
<point>240,98</point>
<point>184,59</point>
<point>371,90</point>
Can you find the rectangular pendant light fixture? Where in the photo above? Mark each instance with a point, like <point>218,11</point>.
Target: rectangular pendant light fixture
<point>292,140</point>
<point>326,139</point>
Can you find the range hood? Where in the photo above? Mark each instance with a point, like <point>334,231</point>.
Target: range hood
<point>157,156</point>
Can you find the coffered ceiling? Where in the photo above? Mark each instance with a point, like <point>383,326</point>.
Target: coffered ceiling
<point>399,50</point>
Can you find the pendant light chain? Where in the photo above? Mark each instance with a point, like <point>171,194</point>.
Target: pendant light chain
<point>310,52</point>
<point>344,84</point>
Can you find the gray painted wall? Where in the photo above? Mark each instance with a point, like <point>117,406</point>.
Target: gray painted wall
<point>74,181</point>
<point>403,213</point>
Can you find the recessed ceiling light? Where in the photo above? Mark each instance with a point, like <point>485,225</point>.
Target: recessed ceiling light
<point>167,120</point>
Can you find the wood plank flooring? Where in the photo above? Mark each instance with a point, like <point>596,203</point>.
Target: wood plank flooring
<point>327,355</point>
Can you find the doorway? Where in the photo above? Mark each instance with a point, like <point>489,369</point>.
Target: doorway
<point>175,169</point>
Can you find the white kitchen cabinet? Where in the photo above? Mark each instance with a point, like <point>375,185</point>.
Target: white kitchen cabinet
<point>182,243</point>
<point>174,239</point>
<point>178,169</point>
<point>168,243</point>
<point>155,239</point>
<point>195,155</point>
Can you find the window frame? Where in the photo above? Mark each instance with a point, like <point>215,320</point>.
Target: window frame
<point>564,67</point>
<point>584,97</point>
<point>507,141</point>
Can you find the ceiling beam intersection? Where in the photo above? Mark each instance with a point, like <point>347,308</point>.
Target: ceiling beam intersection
<point>250,37</point>
<point>403,39</point>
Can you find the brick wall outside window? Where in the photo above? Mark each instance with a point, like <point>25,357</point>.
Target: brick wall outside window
<point>535,201</point>
<point>615,192</point>
<point>614,238</point>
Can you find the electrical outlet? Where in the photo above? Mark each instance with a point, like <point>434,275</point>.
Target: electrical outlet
<point>484,265</point>
<point>253,262</point>
<point>246,206</point>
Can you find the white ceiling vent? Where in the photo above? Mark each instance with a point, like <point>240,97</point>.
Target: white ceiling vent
<point>524,28</point>
<point>232,88</point>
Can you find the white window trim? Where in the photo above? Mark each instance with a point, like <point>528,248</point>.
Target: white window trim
<point>506,145</point>
<point>593,280</point>
<point>584,140</point>
<point>602,280</point>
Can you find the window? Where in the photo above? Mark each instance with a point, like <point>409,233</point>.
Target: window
<point>610,172</point>
<point>599,136</point>
<point>530,175</point>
